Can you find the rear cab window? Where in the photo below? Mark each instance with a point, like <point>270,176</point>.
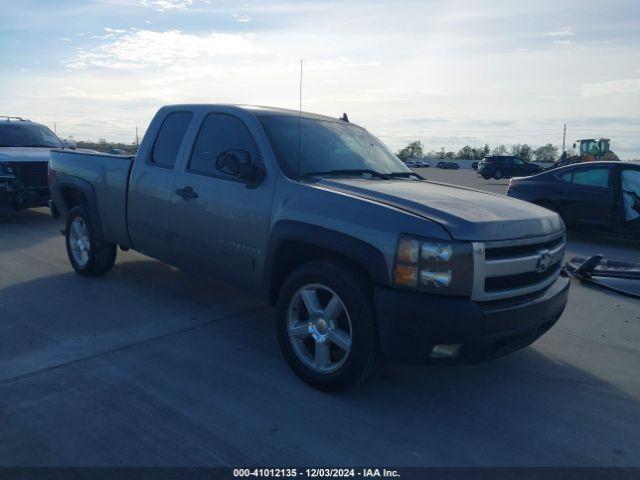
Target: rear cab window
<point>170,136</point>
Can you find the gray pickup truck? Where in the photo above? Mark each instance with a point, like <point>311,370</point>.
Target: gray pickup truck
<point>364,259</point>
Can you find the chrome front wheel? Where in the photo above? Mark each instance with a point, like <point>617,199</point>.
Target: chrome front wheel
<point>319,328</point>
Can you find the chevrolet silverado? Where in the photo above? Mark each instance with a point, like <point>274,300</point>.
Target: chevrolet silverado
<point>363,259</point>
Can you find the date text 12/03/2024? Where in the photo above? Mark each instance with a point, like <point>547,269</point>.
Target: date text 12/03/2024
<point>316,472</point>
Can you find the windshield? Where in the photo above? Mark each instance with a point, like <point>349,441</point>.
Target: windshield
<point>328,146</point>
<point>27,135</point>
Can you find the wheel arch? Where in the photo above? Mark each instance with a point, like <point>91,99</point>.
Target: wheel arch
<point>74,192</point>
<point>294,243</point>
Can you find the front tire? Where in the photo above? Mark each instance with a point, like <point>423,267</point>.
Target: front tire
<point>89,255</point>
<point>497,175</point>
<point>326,326</point>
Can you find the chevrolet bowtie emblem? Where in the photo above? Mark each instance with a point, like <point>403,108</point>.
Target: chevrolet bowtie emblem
<point>544,261</point>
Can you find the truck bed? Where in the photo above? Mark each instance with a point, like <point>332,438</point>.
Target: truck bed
<point>103,178</point>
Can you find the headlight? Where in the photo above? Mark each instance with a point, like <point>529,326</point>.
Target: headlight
<point>438,266</point>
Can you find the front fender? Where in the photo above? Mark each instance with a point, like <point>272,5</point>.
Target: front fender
<point>366,255</point>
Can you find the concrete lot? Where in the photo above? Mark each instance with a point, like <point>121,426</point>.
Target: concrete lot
<point>148,366</point>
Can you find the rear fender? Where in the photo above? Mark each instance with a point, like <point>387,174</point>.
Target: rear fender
<point>84,189</point>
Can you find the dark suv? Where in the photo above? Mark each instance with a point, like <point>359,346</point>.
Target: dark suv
<point>501,166</point>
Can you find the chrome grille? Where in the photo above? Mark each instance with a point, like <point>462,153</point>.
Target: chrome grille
<point>511,268</point>
<point>32,174</point>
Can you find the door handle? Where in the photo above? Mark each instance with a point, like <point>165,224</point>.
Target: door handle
<point>187,193</point>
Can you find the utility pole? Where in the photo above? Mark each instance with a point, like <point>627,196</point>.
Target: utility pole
<point>55,128</point>
<point>564,138</point>
<point>136,137</point>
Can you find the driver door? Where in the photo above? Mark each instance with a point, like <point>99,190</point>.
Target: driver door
<point>220,223</point>
<point>589,201</point>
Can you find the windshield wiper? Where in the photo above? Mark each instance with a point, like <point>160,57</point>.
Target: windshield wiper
<point>362,171</point>
<point>39,145</point>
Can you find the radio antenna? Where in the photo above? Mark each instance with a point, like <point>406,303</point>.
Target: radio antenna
<point>299,122</point>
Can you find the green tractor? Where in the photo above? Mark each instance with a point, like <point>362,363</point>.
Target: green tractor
<point>592,150</point>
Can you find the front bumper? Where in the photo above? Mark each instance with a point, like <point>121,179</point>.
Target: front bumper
<point>411,323</point>
<point>25,197</point>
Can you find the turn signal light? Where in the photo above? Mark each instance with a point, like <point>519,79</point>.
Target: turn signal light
<point>405,275</point>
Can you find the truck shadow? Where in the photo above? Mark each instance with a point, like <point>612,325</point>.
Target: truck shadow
<point>160,338</point>
<point>24,217</point>
<point>25,228</point>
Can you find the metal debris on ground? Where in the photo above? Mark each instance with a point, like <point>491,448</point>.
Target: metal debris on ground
<point>621,277</point>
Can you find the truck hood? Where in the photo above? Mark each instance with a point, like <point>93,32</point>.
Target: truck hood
<point>465,213</point>
<point>24,154</point>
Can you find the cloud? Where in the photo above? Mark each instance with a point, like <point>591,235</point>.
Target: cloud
<point>166,5</point>
<point>337,63</point>
<point>563,32</point>
<point>241,18</point>
<point>137,49</point>
<point>613,87</point>
<point>566,41</point>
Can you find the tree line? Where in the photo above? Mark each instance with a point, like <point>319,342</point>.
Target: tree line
<point>546,153</point>
<point>103,145</point>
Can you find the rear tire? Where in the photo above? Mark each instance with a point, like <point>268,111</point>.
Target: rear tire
<point>497,175</point>
<point>89,255</point>
<point>348,338</point>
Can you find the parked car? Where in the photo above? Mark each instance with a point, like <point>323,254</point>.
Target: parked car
<point>599,197</point>
<point>363,259</point>
<point>117,151</point>
<point>416,164</point>
<point>24,156</point>
<point>504,166</point>
<point>448,165</point>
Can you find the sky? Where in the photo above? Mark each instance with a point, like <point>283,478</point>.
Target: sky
<point>446,72</point>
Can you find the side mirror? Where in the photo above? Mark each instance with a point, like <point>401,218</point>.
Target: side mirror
<point>70,144</point>
<point>238,164</point>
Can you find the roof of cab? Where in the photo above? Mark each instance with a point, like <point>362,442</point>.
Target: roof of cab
<point>258,110</point>
<point>6,119</point>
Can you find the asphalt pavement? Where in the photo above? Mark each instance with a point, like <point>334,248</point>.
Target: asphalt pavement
<point>148,366</point>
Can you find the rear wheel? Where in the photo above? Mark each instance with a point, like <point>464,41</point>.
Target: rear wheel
<point>89,255</point>
<point>497,174</point>
<point>326,326</point>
